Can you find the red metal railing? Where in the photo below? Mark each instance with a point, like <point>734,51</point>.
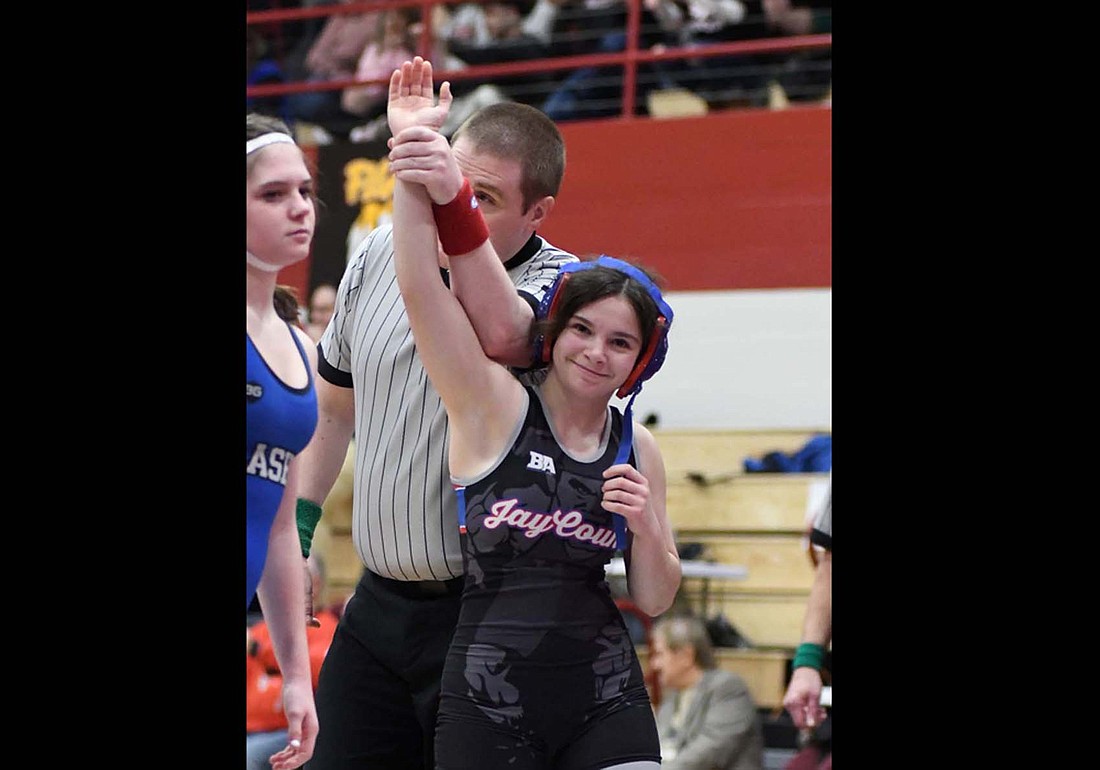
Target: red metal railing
<point>629,58</point>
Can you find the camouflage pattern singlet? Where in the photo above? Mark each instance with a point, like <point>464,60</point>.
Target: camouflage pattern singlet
<point>541,653</point>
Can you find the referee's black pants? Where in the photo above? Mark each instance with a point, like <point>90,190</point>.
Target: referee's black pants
<point>378,691</point>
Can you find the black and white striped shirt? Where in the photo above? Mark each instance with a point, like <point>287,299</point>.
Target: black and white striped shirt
<point>405,517</point>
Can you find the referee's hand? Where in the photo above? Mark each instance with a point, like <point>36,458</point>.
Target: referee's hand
<point>311,621</point>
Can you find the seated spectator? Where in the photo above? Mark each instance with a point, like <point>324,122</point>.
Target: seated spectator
<point>581,24</point>
<point>692,23</point>
<point>501,24</point>
<point>265,722</point>
<point>599,26</point>
<point>322,301</point>
<point>707,718</point>
<point>799,17</point>
<point>393,42</point>
<point>479,24</point>
<point>803,75</point>
<point>469,95</point>
<point>502,31</point>
<point>287,33</point>
<point>332,55</point>
<point>722,80</point>
<point>260,69</point>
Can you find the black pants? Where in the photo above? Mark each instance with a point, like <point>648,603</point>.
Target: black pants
<point>378,691</point>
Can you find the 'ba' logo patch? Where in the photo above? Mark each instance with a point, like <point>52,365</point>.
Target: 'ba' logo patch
<point>540,462</point>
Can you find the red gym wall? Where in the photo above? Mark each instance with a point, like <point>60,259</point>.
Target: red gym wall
<point>733,200</point>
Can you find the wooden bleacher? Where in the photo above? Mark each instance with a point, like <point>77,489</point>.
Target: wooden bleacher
<point>756,520</point>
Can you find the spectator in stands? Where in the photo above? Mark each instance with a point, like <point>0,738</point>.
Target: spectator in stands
<point>393,41</point>
<point>477,24</point>
<point>265,722</point>
<point>803,75</point>
<point>707,719</point>
<point>261,69</point>
<point>721,80</point>
<point>799,17</point>
<point>332,55</point>
<point>382,59</point>
<point>596,92</point>
<point>322,301</point>
<point>502,31</point>
<point>803,697</point>
<point>693,23</point>
<point>285,34</point>
<point>580,24</point>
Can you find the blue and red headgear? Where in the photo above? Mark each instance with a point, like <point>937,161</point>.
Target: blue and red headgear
<point>651,358</point>
<point>646,366</point>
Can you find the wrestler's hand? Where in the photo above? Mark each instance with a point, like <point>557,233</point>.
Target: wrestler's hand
<point>626,492</point>
<point>311,621</point>
<point>412,98</point>
<point>803,698</point>
<point>301,719</point>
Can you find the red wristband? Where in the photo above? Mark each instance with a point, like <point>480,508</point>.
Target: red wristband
<point>461,226</point>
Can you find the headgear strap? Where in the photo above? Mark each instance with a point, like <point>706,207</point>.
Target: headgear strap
<point>259,264</point>
<point>263,140</point>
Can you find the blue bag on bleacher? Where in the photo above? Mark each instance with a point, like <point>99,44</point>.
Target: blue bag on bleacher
<point>816,456</point>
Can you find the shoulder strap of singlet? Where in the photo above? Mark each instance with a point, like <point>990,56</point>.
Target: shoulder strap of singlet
<point>302,353</point>
<point>626,442</point>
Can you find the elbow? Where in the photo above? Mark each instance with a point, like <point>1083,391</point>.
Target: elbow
<point>509,351</point>
<point>659,600</point>
<point>654,608</point>
<point>653,590</point>
<point>495,347</point>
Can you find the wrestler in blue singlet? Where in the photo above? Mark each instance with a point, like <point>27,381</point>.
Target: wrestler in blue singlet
<point>281,420</point>
<point>541,670</point>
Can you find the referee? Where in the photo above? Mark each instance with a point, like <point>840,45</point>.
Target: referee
<point>379,686</point>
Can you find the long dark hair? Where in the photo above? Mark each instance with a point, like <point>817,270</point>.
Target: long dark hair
<point>287,304</point>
